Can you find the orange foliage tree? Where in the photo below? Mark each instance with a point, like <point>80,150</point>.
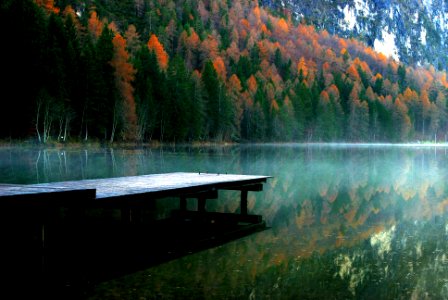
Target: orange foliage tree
<point>157,47</point>
<point>48,5</point>
<point>218,64</point>
<point>282,26</point>
<point>302,67</point>
<point>252,85</point>
<point>124,75</point>
<point>401,119</point>
<point>95,25</point>
<point>353,73</point>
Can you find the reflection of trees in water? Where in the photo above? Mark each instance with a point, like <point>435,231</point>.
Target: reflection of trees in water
<point>414,266</point>
<point>407,261</point>
<point>324,205</point>
<point>355,189</point>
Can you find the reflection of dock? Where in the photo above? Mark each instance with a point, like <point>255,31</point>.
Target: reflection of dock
<point>64,233</point>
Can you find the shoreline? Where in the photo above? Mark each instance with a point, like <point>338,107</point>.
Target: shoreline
<point>157,144</point>
<point>101,144</point>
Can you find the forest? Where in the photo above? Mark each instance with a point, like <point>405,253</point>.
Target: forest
<point>198,71</point>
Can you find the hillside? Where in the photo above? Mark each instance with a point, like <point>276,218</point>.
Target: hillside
<point>203,70</point>
<point>416,31</point>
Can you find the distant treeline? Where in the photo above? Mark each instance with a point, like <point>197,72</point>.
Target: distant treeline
<point>171,70</point>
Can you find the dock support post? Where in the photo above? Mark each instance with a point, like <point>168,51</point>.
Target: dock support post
<point>201,203</point>
<point>243,202</point>
<point>183,203</point>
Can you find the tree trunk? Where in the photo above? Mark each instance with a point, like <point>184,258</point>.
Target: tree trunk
<point>39,104</point>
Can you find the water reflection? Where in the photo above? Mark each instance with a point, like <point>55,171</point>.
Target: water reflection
<point>347,222</point>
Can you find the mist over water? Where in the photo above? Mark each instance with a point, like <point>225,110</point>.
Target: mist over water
<point>347,221</point>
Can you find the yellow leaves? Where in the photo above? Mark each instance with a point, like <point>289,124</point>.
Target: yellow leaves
<point>282,27</point>
<point>409,95</point>
<point>302,67</point>
<point>343,45</point>
<point>256,12</point>
<point>377,76</point>
<point>382,58</point>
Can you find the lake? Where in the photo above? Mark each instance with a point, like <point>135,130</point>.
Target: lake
<point>346,221</point>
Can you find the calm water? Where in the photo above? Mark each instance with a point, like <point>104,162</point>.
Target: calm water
<point>346,222</point>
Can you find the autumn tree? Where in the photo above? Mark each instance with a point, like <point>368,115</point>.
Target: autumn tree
<point>402,122</point>
<point>218,64</point>
<point>95,26</point>
<point>48,5</point>
<point>302,69</point>
<point>157,47</point>
<point>124,75</point>
<point>234,89</point>
<point>132,40</point>
<point>209,70</point>
<point>282,28</point>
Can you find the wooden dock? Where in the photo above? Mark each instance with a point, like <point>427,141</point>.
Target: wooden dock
<point>49,227</point>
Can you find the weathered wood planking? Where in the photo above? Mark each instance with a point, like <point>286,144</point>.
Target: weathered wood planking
<point>157,185</point>
<point>37,195</point>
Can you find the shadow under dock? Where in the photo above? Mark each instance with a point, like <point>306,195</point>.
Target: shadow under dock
<point>54,247</point>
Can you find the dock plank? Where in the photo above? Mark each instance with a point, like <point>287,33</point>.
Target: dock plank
<point>158,185</point>
<point>37,195</point>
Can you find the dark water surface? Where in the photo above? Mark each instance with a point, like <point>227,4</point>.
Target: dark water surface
<point>346,222</point>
